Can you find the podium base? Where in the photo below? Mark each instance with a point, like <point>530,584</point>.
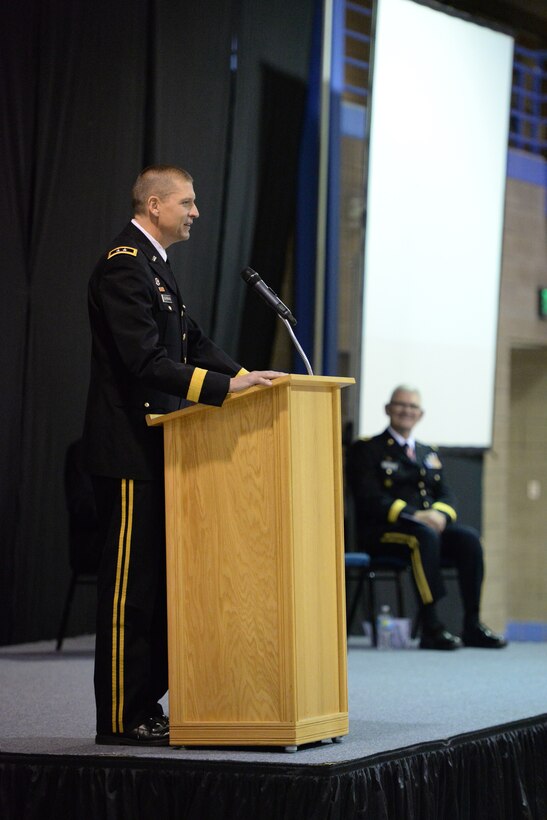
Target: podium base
<point>260,734</point>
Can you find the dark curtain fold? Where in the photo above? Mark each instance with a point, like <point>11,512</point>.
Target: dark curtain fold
<point>277,34</point>
<point>191,85</point>
<point>76,162</point>
<point>17,87</point>
<point>282,110</point>
<point>91,92</point>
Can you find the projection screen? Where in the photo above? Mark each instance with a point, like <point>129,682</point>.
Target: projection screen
<point>435,201</point>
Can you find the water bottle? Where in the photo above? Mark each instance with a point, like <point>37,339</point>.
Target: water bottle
<point>384,628</point>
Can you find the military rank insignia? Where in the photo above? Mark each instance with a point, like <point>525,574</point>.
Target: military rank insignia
<point>122,249</point>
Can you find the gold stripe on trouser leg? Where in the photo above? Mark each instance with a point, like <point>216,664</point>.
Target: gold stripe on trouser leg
<point>115,609</point>
<point>122,604</point>
<point>118,605</point>
<point>413,544</point>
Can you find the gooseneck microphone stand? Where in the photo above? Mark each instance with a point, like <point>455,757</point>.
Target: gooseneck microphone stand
<point>297,345</point>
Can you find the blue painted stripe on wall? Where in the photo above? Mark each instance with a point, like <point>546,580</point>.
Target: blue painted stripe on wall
<point>534,631</point>
<point>526,167</point>
<point>353,120</point>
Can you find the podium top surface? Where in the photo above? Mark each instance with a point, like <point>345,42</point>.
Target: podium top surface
<point>296,380</point>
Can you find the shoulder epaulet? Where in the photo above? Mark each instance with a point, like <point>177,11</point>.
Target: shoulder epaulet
<point>122,249</point>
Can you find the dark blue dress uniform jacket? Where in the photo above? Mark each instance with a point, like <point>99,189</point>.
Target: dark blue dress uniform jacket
<point>148,356</point>
<point>387,485</point>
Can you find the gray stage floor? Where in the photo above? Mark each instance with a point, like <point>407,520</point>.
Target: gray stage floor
<point>396,699</point>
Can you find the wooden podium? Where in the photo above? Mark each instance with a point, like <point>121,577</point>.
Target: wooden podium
<point>255,567</point>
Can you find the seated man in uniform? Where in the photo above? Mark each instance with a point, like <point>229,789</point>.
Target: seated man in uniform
<point>405,508</point>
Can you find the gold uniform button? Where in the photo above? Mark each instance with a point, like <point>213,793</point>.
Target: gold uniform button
<point>388,472</point>
<point>422,471</point>
<point>437,477</point>
<point>423,492</point>
<point>426,505</point>
<point>147,404</point>
<point>421,484</point>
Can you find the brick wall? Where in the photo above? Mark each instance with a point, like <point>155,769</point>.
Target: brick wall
<point>515,526</point>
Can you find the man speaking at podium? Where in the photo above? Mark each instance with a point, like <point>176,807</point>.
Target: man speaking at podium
<point>148,356</point>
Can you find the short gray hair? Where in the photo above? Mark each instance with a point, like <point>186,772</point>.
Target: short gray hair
<point>158,180</point>
<point>405,388</point>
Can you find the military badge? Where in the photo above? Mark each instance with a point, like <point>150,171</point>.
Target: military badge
<point>432,461</point>
<point>122,249</point>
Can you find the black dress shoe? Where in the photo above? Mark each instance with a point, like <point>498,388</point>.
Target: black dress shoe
<point>440,639</point>
<point>154,731</point>
<point>482,637</point>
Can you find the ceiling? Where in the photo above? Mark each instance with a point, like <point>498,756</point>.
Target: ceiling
<point>526,18</point>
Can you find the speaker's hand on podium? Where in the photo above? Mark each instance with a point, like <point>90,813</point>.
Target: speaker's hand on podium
<point>264,377</point>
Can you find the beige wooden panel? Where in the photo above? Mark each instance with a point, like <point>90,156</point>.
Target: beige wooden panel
<point>226,576</point>
<point>259,734</point>
<point>316,567</point>
<point>256,598</point>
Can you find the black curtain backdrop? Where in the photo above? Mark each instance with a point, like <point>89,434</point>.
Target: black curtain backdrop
<point>282,110</point>
<point>90,93</point>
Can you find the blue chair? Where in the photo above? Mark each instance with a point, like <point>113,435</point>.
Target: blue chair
<point>361,568</point>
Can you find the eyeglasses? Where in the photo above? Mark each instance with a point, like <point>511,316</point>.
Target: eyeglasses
<point>403,405</point>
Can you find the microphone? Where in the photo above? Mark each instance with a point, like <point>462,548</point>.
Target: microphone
<point>252,278</point>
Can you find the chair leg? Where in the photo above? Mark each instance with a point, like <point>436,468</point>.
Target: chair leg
<point>417,623</point>
<point>66,611</point>
<point>400,596</point>
<point>355,600</point>
<point>372,608</point>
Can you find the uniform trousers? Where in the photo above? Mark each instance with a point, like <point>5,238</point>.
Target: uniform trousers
<point>458,546</point>
<point>131,641</point>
